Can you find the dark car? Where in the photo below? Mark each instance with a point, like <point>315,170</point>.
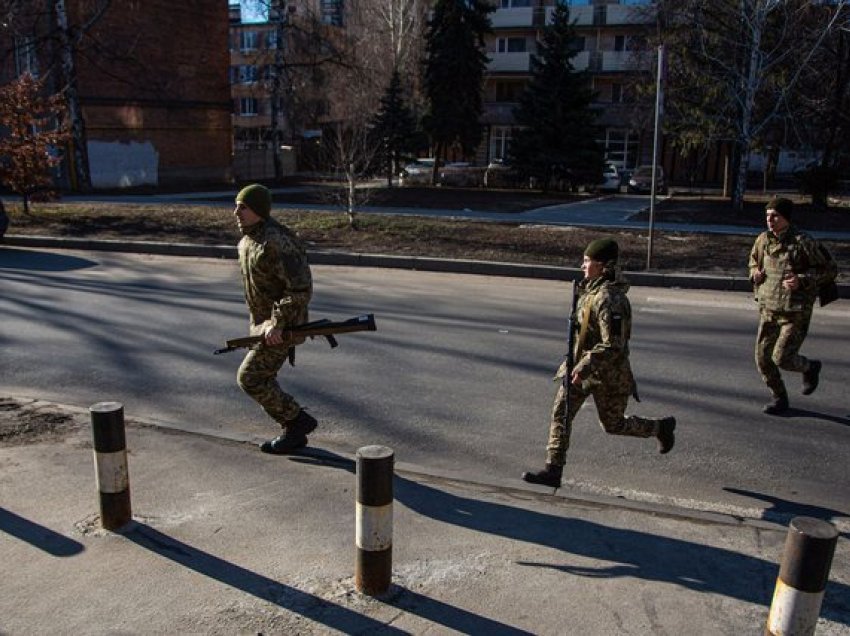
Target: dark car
<point>641,180</point>
<point>4,220</point>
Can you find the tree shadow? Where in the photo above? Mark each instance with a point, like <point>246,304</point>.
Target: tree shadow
<point>650,557</point>
<point>41,261</point>
<point>783,510</point>
<point>37,535</point>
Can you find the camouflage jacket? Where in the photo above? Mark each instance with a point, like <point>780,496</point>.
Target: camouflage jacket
<point>792,251</point>
<point>276,276</point>
<point>602,351</point>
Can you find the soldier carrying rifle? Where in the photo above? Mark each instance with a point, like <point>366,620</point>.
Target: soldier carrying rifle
<point>278,287</point>
<point>603,320</point>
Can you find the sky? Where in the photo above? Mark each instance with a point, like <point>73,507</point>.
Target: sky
<point>252,10</point>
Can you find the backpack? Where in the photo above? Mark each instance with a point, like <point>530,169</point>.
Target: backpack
<point>828,290</point>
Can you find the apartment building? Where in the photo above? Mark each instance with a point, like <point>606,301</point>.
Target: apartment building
<point>254,53</point>
<point>608,31</point>
<point>152,85</point>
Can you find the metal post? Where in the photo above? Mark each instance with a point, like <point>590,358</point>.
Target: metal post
<point>110,463</point>
<point>809,548</point>
<point>374,520</point>
<point>659,103</point>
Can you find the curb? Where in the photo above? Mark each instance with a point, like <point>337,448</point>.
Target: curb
<point>416,263</point>
<point>328,454</point>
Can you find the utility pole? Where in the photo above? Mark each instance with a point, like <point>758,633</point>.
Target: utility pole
<point>278,13</point>
<point>659,101</point>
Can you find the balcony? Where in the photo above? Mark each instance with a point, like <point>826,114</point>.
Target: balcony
<point>507,18</point>
<point>509,63</point>
<point>621,62</point>
<point>582,16</point>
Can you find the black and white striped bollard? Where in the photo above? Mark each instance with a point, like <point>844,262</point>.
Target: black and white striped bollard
<point>110,464</point>
<point>809,548</point>
<point>374,520</point>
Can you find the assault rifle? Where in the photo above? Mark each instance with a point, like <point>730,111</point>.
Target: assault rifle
<point>567,380</point>
<point>324,327</point>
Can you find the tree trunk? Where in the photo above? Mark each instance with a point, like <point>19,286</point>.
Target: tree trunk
<point>279,11</point>
<point>82,176</point>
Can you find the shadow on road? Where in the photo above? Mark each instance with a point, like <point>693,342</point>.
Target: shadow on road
<point>37,535</point>
<point>313,607</point>
<point>651,557</point>
<point>41,261</point>
<point>783,510</point>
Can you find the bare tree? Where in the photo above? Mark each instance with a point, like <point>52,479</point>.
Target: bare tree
<point>734,66</point>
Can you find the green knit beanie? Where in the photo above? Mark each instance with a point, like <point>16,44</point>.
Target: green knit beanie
<point>603,250</point>
<point>258,198</point>
<point>781,206</point>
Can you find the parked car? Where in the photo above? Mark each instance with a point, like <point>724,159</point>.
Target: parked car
<point>501,174</point>
<point>418,172</point>
<point>461,174</point>
<point>4,220</point>
<point>610,179</point>
<point>641,180</point>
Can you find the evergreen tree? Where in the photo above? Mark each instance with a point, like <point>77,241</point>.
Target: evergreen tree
<point>454,72</point>
<point>394,128</point>
<point>557,138</point>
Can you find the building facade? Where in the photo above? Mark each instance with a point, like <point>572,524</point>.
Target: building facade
<point>151,83</point>
<point>609,33</point>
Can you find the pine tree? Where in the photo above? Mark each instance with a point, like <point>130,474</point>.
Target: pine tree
<point>454,72</point>
<point>394,128</point>
<point>557,138</point>
<point>28,151</point>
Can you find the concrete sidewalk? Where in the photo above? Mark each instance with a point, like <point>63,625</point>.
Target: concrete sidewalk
<point>228,540</point>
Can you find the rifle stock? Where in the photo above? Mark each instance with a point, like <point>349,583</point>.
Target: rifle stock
<point>325,328</point>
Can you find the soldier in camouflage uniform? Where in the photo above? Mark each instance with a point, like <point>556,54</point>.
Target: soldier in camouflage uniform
<point>278,287</point>
<point>786,268</point>
<point>604,320</point>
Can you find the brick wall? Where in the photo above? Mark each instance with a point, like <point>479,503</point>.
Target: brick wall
<point>154,73</point>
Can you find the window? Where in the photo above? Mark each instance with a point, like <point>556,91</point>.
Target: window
<point>25,58</point>
<point>509,91</point>
<point>500,141</point>
<point>577,44</point>
<point>619,42</point>
<point>512,45</point>
<point>271,40</point>
<point>248,106</point>
<point>511,4</point>
<point>616,93</point>
<point>332,12</point>
<point>247,74</point>
<point>248,41</point>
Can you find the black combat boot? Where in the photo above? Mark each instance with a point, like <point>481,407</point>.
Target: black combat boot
<point>778,406</point>
<point>549,476</point>
<point>282,444</point>
<point>811,377</point>
<point>665,435</point>
<point>294,435</point>
<point>304,423</point>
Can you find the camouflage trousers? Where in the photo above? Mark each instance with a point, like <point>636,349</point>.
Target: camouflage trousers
<point>257,376</point>
<point>780,336</point>
<point>611,405</point>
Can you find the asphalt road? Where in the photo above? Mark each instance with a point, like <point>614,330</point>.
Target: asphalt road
<point>457,377</point>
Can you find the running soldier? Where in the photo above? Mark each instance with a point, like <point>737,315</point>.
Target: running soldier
<point>602,369</point>
<point>278,287</point>
<point>786,267</point>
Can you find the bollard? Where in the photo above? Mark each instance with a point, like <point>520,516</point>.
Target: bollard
<point>809,548</point>
<point>110,464</point>
<point>374,520</point>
